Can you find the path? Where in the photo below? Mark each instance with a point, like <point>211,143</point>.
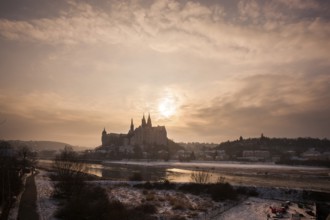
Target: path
<point>28,204</point>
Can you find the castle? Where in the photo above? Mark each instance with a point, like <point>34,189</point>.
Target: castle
<point>143,135</point>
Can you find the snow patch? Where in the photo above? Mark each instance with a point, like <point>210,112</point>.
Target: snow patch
<point>169,203</point>
<point>45,203</point>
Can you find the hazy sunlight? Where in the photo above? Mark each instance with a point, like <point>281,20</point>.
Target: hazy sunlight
<point>167,107</point>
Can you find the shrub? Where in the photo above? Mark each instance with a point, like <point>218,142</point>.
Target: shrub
<point>150,196</point>
<point>178,217</point>
<point>176,203</point>
<point>202,177</point>
<point>194,188</point>
<point>221,179</point>
<point>147,208</point>
<point>157,185</point>
<point>92,204</point>
<point>222,191</point>
<point>218,191</point>
<point>136,177</point>
<point>250,191</point>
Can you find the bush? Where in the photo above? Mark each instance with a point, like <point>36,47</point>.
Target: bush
<point>136,177</point>
<point>93,203</point>
<point>194,188</point>
<point>68,188</point>
<point>157,185</point>
<point>222,191</point>
<point>249,191</point>
<point>147,208</point>
<point>178,217</point>
<point>202,177</point>
<point>218,191</point>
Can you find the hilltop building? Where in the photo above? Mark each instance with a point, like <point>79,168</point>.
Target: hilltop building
<point>145,134</point>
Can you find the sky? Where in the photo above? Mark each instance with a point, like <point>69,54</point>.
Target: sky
<point>209,70</point>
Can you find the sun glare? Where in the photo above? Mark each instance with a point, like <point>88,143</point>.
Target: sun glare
<point>167,107</point>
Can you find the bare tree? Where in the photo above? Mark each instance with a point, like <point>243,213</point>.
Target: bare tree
<point>69,172</point>
<point>201,177</point>
<point>67,164</point>
<point>26,156</point>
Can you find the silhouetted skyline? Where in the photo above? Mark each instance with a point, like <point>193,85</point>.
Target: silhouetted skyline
<point>209,71</point>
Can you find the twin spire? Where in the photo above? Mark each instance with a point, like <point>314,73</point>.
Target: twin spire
<point>144,124</point>
<point>148,123</point>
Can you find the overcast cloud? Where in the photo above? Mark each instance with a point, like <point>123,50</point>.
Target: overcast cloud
<point>230,68</point>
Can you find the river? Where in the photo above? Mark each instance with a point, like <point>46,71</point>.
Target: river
<point>256,174</point>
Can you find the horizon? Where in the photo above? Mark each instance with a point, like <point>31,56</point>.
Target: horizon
<point>209,71</point>
<point>178,142</point>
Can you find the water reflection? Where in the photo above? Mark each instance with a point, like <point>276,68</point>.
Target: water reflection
<point>125,172</point>
<point>152,173</point>
<point>94,169</point>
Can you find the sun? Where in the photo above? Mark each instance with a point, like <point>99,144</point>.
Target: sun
<point>167,107</point>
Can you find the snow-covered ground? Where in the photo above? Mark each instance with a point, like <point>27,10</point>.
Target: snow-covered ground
<point>171,203</point>
<point>168,202</point>
<point>258,209</point>
<point>46,204</point>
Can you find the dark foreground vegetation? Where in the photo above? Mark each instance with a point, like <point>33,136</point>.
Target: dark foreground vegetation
<point>82,200</point>
<point>14,163</point>
<point>217,191</point>
<point>93,203</point>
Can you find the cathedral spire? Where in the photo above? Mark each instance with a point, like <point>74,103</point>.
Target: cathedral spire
<point>144,121</point>
<point>149,121</point>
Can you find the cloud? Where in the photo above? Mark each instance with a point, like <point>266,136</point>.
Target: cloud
<point>48,108</point>
<point>235,68</point>
<point>81,24</point>
<point>300,4</point>
<point>169,26</point>
<point>249,9</point>
<point>40,115</point>
<point>276,105</point>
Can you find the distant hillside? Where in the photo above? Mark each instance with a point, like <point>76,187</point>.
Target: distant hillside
<point>275,145</point>
<point>41,145</point>
<point>174,147</point>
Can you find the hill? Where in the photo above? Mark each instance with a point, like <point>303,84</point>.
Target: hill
<point>276,146</point>
<point>173,147</point>
<point>41,145</point>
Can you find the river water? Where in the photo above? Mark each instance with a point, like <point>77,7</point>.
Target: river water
<point>257,174</point>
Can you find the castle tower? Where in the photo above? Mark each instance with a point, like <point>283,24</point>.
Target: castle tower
<point>149,121</point>
<point>144,123</point>
<point>132,126</point>
<point>104,137</point>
